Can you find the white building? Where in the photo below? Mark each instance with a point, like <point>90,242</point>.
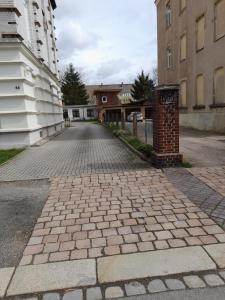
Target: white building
<point>80,112</point>
<point>30,96</point>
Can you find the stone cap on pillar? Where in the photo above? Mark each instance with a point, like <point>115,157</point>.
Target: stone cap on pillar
<point>167,87</point>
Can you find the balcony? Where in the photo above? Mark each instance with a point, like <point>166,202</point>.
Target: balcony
<point>9,6</point>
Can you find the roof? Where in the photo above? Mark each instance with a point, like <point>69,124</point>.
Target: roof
<point>123,88</point>
<point>53,3</point>
<point>107,91</point>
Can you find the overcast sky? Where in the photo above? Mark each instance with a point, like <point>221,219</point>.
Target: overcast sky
<point>108,41</point>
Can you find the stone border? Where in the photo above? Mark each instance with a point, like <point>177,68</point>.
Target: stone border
<point>135,288</point>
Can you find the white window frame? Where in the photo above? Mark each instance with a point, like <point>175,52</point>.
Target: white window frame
<point>104,99</point>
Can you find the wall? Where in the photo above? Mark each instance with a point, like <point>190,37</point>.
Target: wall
<point>204,62</point>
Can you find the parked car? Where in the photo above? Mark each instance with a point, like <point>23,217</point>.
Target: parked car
<point>140,117</point>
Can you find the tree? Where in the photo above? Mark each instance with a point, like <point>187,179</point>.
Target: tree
<point>143,87</point>
<point>73,89</point>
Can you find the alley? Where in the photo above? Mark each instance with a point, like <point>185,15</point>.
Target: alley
<point>83,149</point>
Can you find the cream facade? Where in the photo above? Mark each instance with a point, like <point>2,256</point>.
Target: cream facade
<point>191,43</point>
<point>30,95</point>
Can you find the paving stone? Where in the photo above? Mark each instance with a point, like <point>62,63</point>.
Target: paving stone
<point>114,292</point>
<point>53,276</point>
<point>156,286</point>
<point>51,296</point>
<point>134,288</point>
<point>222,274</point>
<point>94,294</point>
<point>103,153</point>
<point>217,254</point>
<point>194,282</point>
<point>5,277</point>
<point>162,262</point>
<point>213,280</point>
<point>74,295</point>
<point>175,284</point>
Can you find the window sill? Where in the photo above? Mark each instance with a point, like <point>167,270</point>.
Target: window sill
<point>219,38</point>
<point>200,49</point>
<point>196,107</point>
<point>217,105</point>
<point>183,108</point>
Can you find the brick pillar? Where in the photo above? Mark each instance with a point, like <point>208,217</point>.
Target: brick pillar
<point>166,127</point>
<point>123,119</point>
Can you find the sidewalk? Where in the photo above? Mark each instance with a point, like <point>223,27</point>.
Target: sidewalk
<point>111,235</point>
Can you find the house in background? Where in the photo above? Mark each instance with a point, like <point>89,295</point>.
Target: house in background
<point>191,43</point>
<point>80,112</point>
<point>30,96</point>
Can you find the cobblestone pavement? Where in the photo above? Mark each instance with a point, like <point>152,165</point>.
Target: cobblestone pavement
<point>83,149</point>
<point>147,286</point>
<point>204,187</point>
<point>120,213</point>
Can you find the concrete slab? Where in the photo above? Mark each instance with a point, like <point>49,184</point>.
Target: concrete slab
<point>5,277</point>
<point>54,276</point>
<point>155,263</point>
<point>217,252</point>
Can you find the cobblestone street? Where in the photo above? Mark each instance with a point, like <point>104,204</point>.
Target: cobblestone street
<point>113,226</point>
<point>83,149</point>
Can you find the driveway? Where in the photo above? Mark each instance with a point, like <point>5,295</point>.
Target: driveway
<point>84,149</point>
<point>200,148</point>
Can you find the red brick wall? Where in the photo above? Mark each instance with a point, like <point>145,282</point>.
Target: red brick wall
<point>166,127</point>
<point>111,96</point>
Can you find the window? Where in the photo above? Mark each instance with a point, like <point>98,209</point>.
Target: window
<point>219,86</point>
<point>219,19</point>
<point>183,47</point>
<point>90,113</point>
<point>200,33</point>
<point>168,14</point>
<point>183,4</point>
<point>76,113</point>
<point>183,93</point>
<point>104,99</point>
<point>169,58</point>
<point>200,89</point>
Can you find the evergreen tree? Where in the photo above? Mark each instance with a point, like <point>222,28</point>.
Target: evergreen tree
<point>73,89</point>
<point>143,87</point>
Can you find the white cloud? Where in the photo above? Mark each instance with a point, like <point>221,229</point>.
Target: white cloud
<point>110,41</point>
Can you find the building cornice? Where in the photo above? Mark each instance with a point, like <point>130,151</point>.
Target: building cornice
<point>27,52</point>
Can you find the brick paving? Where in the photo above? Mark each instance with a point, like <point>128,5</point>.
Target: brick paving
<point>84,149</point>
<point>98,215</point>
<point>204,187</point>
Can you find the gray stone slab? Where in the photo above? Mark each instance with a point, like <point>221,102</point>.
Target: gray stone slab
<point>222,274</point>
<point>213,280</point>
<point>152,264</point>
<point>74,295</point>
<point>175,284</point>
<point>156,286</point>
<point>134,288</point>
<point>194,282</point>
<point>5,277</point>
<point>217,252</point>
<point>51,296</point>
<point>54,276</point>
<point>94,294</point>
<point>113,292</point>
